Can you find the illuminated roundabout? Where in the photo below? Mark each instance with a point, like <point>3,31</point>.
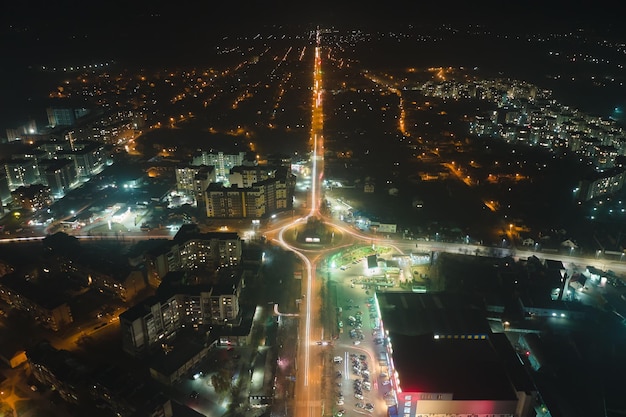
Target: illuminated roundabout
<point>313,239</point>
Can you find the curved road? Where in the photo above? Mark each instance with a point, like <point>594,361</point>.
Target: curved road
<point>309,397</point>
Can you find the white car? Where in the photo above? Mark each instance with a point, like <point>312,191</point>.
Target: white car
<point>357,342</point>
<point>339,402</point>
<point>337,359</point>
<point>358,396</point>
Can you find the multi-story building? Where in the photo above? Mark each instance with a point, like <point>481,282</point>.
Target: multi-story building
<point>33,198</point>
<point>194,180</point>
<point>59,370</point>
<point>33,155</point>
<point>606,183</point>
<point>247,176</point>
<point>64,116</point>
<point>109,275</point>
<point>193,250</point>
<point>222,162</point>
<point>51,148</point>
<point>59,175</point>
<point>21,172</point>
<point>207,250</point>
<point>89,158</point>
<point>256,201</point>
<point>181,302</point>
<point>149,322</point>
<point>177,360</point>
<point>21,132</point>
<point>5,190</point>
<point>160,260</point>
<point>185,179</point>
<point>201,181</point>
<point>225,202</point>
<point>48,309</point>
<point>126,394</point>
<point>109,387</point>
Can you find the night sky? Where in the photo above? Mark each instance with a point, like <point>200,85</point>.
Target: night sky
<point>141,32</point>
<point>33,30</point>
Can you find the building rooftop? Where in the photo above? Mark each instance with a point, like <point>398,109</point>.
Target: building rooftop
<point>469,369</point>
<point>140,309</point>
<point>179,352</point>
<point>192,231</point>
<point>441,343</point>
<point>432,313</point>
<point>45,296</point>
<point>62,363</point>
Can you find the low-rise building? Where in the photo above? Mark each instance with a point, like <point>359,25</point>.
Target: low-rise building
<point>58,370</point>
<point>49,309</point>
<point>444,360</point>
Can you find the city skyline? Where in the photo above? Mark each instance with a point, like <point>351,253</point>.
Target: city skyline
<point>263,197</point>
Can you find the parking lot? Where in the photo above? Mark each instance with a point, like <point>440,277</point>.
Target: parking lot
<point>361,381</point>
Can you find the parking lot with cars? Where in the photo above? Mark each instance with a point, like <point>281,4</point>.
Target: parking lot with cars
<point>361,385</point>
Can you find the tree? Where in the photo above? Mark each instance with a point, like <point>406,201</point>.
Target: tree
<point>221,382</point>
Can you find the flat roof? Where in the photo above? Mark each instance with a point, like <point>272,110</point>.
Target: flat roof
<point>469,369</point>
<point>168,362</point>
<point>441,344</point>
<point>432,313</point>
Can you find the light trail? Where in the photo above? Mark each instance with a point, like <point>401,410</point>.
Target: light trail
<point>307,326</point>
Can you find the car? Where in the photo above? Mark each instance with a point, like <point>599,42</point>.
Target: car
<point>340,413</point>
<point>194,394</point>
<point>362,357</point>
<point>340,402</point>
<point>369,406</point>
<point>356,342</point>
<point>358,396</point>
<point>359,405</point>
<point>337,359</point>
